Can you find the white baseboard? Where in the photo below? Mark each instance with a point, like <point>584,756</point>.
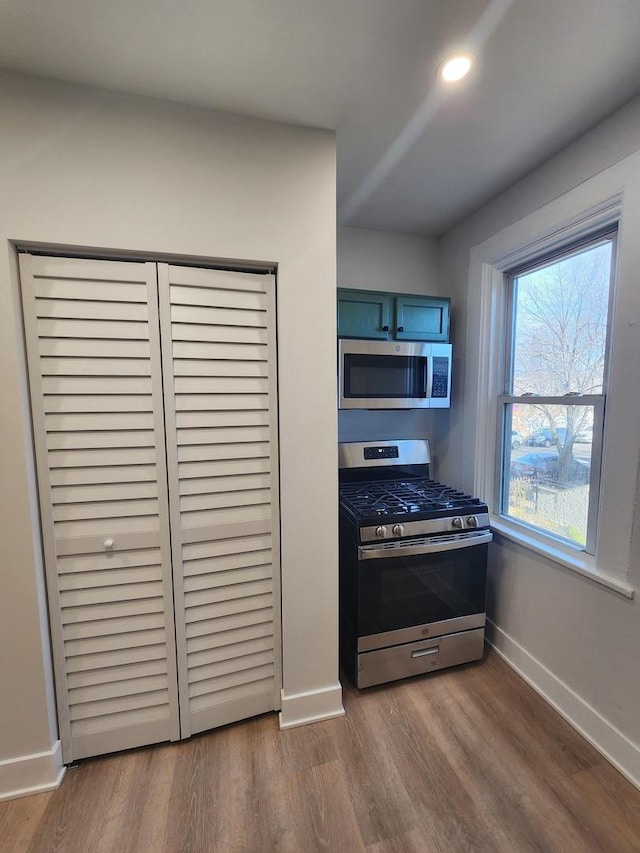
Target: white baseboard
<point>31,774</point>
<point>312,706</point>
<point>603,735</point>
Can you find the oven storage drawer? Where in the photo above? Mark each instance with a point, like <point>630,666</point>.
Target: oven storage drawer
<point>415,658</point>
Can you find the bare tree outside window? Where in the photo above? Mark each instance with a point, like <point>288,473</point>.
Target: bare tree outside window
<point>555,387</point>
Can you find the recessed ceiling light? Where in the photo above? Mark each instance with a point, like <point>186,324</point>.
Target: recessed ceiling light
<point>455,67</point>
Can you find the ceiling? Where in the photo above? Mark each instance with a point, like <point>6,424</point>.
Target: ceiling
<point>412,156</point>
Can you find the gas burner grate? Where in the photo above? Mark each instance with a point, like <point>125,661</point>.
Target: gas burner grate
<point>401,497</point>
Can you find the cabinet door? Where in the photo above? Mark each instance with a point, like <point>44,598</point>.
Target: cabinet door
<point>218,347</point>
<point>363,314</point>
<point>421,318</point>
<point>96,390</point>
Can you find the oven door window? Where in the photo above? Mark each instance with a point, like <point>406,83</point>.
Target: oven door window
<point>385,376</point>
<point>402,592</point>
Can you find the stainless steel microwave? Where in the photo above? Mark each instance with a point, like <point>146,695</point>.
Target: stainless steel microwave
<point>393,375</point>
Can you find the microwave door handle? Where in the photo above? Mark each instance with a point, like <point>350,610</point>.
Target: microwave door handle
<point>428,376</point>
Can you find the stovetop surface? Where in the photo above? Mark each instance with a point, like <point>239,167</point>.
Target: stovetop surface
<point>405,499</point>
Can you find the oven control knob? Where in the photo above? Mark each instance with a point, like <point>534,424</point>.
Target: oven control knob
<point>398,529</point>
<point>457,522</point>
<point>472,521</point>
<point>381,532</point>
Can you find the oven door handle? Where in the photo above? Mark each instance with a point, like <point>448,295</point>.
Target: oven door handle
<point>429,546</point>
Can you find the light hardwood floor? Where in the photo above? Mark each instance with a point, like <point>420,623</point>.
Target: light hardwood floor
<point>470,759</point>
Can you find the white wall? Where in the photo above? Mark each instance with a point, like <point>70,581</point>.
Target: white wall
<point>401,263</point>
<point>86,168</point>
<point>382,260</point>
<point>575,640</point>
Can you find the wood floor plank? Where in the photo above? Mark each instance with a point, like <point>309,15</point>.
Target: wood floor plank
<point>603,778</point>
<point>467,759</point>
<point>200,798</point>
<point>74,818</point>
<point>381,803</point>
<point>323,818</point>
<point>415,841</point>
<point>253,820</point>
<point>447,810</point>
<point>535,737</point>
<point>19,820</point>
<point>531,720</point>
<point>557,757</point>
<point>598,814</point>
<point>509,790</point>
<point>143,796</point>
<point>302,749</point>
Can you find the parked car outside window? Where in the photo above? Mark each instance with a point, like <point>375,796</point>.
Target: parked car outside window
<point>547,465</point>
<point>546,437</point>
<point>541,438</point>
<point>516,439</point>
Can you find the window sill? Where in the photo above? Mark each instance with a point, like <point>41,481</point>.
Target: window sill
<point>577,561</point>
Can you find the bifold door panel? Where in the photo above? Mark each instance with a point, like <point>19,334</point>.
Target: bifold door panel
<point>109,411</point>
<point>219,373</point>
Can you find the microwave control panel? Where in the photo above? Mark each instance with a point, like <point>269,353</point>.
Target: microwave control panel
<point>440,383</point>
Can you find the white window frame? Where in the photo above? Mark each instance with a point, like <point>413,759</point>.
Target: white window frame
<point>595,401</point>
<point>563,222</point>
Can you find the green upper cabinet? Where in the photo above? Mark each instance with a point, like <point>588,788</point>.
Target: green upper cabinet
<point>421,318</point>
<point>377,315</point>
<point>364,314</point>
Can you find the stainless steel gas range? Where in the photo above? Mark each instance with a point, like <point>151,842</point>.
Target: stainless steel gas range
<point>413,565</point>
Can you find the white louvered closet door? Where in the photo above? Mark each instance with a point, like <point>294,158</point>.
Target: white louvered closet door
<point>93,347</point>
<point>218,350</point>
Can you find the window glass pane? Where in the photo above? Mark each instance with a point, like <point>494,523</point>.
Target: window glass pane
<point>548,467</point>
<point>560,324</point>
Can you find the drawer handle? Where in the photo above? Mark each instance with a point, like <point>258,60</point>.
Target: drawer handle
<point>108,544</point>
<point>420,653</point>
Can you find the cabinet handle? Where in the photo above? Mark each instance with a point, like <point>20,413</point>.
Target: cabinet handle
<point>385,328</point>
<point>401,328</point>
<point>108,544</point>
